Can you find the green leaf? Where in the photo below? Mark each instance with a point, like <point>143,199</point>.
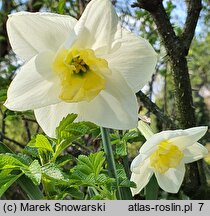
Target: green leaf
<point>6,181</point>
<point>80,128</point>
<point>121,149</point>
<point>92,163</point>
<point>68,131</point>
<point>64,123</point>
<point>31,151</point>
<point>41,142</point>
<point>61,6</point>
<point>62,160</point>
<point>25,159</point>
<point>4,148</point>
<point>75,193</point>
<point>132,136</point>
<point>101,179</point>
<point>73,131</point>
<point>32,191</point>
<point>127,183</point>
<point>9,161</point>
<point>54,172</point>
<point>34,172</point>
<point>121,171</point>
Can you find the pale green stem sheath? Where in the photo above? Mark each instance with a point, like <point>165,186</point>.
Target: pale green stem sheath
<point>151,190</point>
<point>110,157</point>
<point>145,130</point>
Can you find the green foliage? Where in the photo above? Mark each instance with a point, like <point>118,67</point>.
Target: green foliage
<point>6,180</point>
<point>63,124</point>
<point>34,172</point>
<point>69,131</point>
<point>89,172</point>
<point>42,162</point>
<point>53,172</point>
<point>41,143</point>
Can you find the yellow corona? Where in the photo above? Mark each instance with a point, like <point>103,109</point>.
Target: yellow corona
<point>166,156</point>
<point>81,74</point>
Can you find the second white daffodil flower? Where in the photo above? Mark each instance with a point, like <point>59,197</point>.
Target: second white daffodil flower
<point>165,154</point>
<point>91,67</point>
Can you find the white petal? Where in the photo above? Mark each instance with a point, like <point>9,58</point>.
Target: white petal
<point>196,133</point>
<point>142,178</point>
<point>189,137</point>
<point>135,59</point>
<point>137,162</point>
<point>35,85</point>
<point>31,33</point>
<point>194,153</point>
<point>97,26</point>
<point>49,117</point>
<point>171,180</point>
<point>149,146</point>
<point>115,107</point>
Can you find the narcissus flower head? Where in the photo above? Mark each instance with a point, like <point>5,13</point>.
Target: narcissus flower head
<point>165,154</point>
<point>92,67</point>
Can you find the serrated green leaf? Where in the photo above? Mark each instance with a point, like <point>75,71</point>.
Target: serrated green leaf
<point>98,161</point>
<point>78,174</point>
<point>41,142</point>
<point>9,161</point>
<point>6,181</point>
<point>31,151</point>
<point>132,136</point>
<point>101,179</point>
<point>76,193</point>
<point>25,159</point>
<point>68,131</point>
<point>64,123</point>
<point>92,163</point>
<point>126,183</point>
<point>121,149</point>
<point>34,172</point>
<point>80,128</point>
<point>62,160</point>
<point>54,172</point>
<point>32,191</point>
<point>121,171</point>
<point>90,179</point>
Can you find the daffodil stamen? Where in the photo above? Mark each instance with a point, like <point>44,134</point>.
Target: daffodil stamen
<point>166,156</point>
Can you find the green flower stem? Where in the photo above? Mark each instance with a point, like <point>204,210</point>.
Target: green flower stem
<point>110,158</point>
<point>151,190</point>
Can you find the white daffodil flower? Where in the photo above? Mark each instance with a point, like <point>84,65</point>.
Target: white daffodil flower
<point>165,155</point>
<point>91,67</point>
